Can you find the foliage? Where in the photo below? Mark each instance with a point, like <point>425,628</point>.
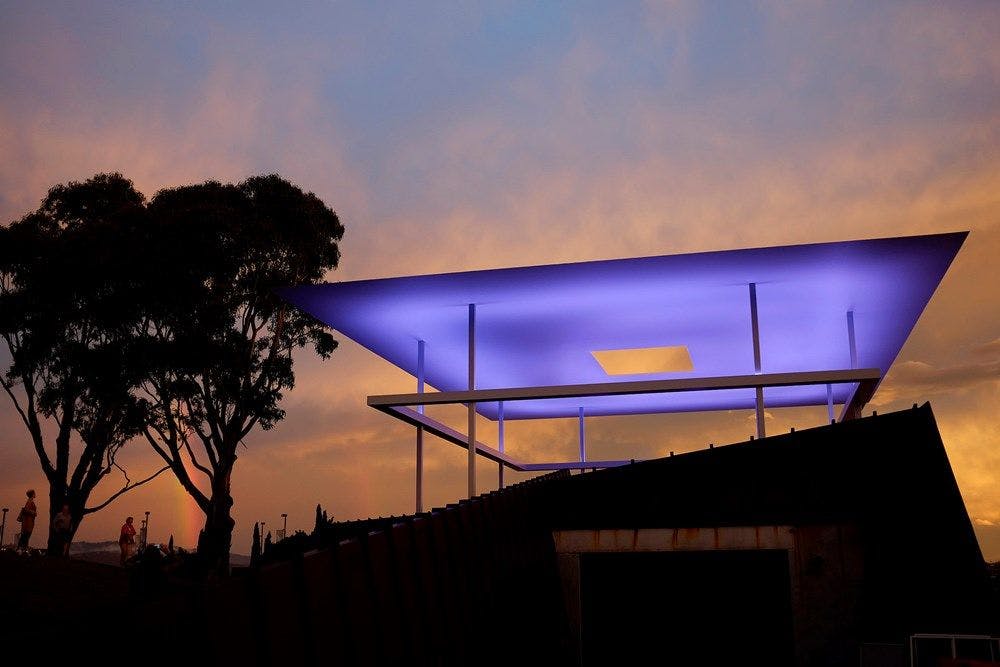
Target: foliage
<point>255,548</point>
<point>159,319</point>
<point>218,345</point>
<point>67,296</point>
<point>321,520</point>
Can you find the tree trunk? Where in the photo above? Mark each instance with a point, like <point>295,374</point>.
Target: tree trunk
<point>216,539</point>
<point>58,495</point>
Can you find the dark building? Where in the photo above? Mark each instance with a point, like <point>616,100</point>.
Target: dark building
<point>830,546</point>
<point>796,549</point>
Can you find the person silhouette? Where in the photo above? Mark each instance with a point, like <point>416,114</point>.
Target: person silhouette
<point>62,529</point>
<point>27,518</point>
<point>126,541</point>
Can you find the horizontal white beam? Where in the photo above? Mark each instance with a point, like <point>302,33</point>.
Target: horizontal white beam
<point>863,376</point>
<point>398,405</point>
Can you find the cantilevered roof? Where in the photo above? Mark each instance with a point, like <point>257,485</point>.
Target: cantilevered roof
<point>690,314</point>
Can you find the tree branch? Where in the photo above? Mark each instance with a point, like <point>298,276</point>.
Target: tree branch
<point>156,446</point>
<point>177,465</point>
<point>30,418</point>
<point>207,439</point>
<point>7,387</point>
<point>127,487</point>
<point>194,461</point>
<point>249,427</point>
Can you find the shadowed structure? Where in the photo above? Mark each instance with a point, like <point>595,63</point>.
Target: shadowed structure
<point>808,548</point>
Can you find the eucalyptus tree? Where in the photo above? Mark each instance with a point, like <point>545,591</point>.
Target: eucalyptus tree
<point>69,285</point>
<point>217,344</point>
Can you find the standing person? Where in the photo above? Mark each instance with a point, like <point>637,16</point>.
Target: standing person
<point>62,529</point>
<point>127,540</point>
<point>27,518</point>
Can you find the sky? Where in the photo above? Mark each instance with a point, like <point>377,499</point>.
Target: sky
<point>460,135</point>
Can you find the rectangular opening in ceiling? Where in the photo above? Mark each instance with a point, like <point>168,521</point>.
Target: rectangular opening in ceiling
<point>644,360</point>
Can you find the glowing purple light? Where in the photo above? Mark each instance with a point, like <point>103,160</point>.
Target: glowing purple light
<point>538,325</point>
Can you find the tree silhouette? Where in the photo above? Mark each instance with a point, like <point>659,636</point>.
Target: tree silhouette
<point>255,545</point>
<point>160,319</point>
<point>217,341</point>
<point>66,296</point>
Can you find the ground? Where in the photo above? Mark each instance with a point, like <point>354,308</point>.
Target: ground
<point>83,596</point>
<point>52,603</point>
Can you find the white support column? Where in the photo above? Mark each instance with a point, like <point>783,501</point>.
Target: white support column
<point>756,358</point>
<point>500,440</point>
<point>851,340</point>
<point>583,439</point>
<point>829,402</point>
<point>420,429</point>
<point>472,406</point>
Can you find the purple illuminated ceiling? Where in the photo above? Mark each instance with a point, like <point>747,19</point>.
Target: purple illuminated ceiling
<point>538,325</point>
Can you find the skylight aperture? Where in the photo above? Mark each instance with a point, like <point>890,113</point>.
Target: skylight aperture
<point>645,360</point>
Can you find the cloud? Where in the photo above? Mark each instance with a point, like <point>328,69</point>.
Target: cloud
<point>877,120</point>
<point>990,350</point>
<point>231,122</point>
<point>930,380</point>
<point>767,415</point>
<point>971,436</point>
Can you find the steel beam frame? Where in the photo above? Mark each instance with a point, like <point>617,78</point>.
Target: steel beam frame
<point>399,405</point>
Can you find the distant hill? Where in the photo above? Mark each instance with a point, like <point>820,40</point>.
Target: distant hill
<point>108,553</point>
<point>239,560</point>
<point>88,547</point>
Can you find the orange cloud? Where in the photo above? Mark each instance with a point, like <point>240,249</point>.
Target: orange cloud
<point>861,129</point>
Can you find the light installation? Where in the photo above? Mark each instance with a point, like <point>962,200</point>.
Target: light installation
<point>816,324</point>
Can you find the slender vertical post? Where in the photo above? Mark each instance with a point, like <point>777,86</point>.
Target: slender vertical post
<point>500,439</point>
<point>755,329</point>
<point>852,343</point>
<point>850,339</point>
<point>583,439</point>
<point>829,402</point>
<point>760,412</point>
<point>472,405</point>
<point>420,429</point>
<point>756,358</point>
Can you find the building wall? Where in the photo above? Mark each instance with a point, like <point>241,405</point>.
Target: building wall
<point>470,584</point>
<point>824,566</point>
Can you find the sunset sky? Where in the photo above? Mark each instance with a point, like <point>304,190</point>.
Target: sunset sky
<point>459,136</point>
